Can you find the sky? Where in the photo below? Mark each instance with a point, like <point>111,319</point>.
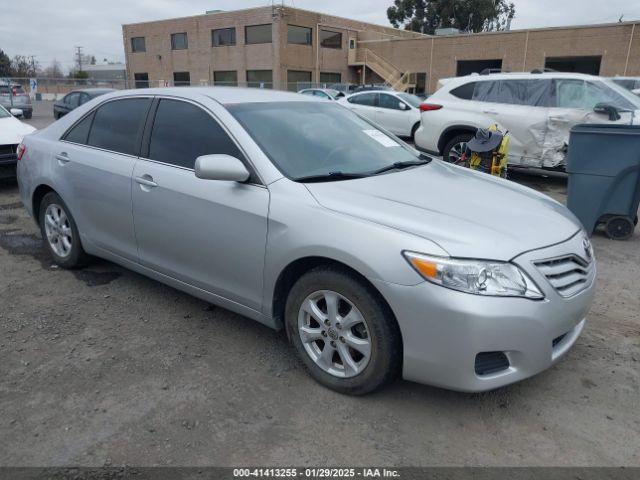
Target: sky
<point>51,29</point>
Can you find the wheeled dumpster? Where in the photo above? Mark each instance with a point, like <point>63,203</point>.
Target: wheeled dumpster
<point>604,177</point>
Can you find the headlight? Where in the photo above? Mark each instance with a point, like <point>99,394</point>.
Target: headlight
<point>478,277</point>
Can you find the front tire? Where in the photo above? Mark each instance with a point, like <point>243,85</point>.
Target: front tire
<point>28,115</point>
<point>343,331</point>
<point>60,233</point>
<point>455,147</point>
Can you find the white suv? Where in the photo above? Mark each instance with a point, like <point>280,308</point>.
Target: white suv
<point>538,110</point>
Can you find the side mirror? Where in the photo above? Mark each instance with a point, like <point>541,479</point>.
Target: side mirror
<point>221,167</point>
<point>16,112</point>
<point>402,106</point>
<point>606,109</point>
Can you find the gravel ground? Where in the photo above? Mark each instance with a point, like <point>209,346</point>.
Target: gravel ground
<point>105,367</point>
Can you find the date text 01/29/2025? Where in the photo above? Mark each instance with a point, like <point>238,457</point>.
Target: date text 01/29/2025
<point>315,473</point>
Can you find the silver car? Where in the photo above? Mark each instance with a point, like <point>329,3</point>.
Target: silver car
<point>13,95</point>
<point>376,260</point>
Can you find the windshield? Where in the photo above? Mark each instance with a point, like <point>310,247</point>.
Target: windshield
<point>305,139</point>
<point>3,112</point>
<point>412,100</point>
<point>632,99</point>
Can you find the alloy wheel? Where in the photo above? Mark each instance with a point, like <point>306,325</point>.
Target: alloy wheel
<point>58,230</point>
<point>334,334</point>
<point>456,152</point>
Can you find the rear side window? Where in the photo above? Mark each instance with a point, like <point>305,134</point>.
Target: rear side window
<point>117,125</point>
<point>533,93</point>
<point>367,99</point>
<point>182,132</point>
<point>464,92</point>
<point>80,131</point>
<point>389,101</point>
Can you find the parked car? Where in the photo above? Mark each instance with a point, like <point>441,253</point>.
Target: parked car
<point>630,83</point>
<point>75,98</point>
<point>13,95</point>
<point>12,131</point>
<point>538,111</point>
<point>369,254</point>
<point>397,112</point>
<point>324,93</point>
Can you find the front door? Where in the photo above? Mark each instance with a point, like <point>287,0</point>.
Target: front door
<point>391,116</point>
<point>209,234</point>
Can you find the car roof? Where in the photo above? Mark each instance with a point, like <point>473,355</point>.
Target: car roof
<point>223,95</point>
<point>516,76</point>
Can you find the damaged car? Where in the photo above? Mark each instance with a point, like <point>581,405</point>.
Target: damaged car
<point>537,109</point>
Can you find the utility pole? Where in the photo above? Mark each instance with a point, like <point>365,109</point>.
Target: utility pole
<point>79,57</point>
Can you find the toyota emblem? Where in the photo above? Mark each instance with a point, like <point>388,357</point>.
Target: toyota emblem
<point>586,244</point>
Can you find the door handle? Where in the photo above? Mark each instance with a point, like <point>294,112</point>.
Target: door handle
<point>490,112</point>
<point>63,157</point>
<point>147,181</point>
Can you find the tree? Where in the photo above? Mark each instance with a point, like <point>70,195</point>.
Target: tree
<point>23,66</point>
<point>5,65</point>
<point>53,71</point>
<point>425,16</point>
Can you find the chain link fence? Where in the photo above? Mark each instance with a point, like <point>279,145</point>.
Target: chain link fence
<point>51,89</point>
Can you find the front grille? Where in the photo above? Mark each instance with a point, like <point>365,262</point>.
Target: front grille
<point>568,275</point>
<point>488,363</point>
<point>8,153</point>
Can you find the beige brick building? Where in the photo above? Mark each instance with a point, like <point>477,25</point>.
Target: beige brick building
<point>283,47</point>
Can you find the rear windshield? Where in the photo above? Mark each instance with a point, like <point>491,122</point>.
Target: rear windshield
<point>15,89</point>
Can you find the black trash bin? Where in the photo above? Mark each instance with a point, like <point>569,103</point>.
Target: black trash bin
<point>604,177</point>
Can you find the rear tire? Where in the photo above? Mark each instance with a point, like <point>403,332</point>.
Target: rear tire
<point>60,233</point>
<point>455,147</point>
<point>363,331</point>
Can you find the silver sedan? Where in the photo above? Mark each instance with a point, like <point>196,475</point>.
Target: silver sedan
<point>376,260</point>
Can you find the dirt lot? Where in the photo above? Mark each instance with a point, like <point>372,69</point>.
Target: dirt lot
<point>104,366</point>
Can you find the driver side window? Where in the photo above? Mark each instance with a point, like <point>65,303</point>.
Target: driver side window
<point>72,100</point>
<point>390,102</point>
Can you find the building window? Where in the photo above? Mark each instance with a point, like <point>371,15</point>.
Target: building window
<point>141,80</point>
<point>179,41</point>
<point>330,39</point>
<point>225,78</point>
<point>223,37</point>
<point>330,78</point>
<point>260,78</point>
<point>421,83</point>
<point>138,45</point>
<point>258,34</point>
<point>181,79</point>
<point>298,79</point>
<point>299,35</point>
<point>352,44</point>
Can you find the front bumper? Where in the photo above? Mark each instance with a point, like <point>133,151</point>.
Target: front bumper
<point>444,330</point>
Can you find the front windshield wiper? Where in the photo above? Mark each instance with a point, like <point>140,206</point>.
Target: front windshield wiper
<point>331,177</point>
<point>402,165</point>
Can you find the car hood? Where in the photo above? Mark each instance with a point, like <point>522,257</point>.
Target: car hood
<point>12,130</point>
<point>468,214</point>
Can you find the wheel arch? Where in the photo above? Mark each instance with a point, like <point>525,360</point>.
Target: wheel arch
<point>36,199</point>
<point>295,269</point>
<point>451,132</point>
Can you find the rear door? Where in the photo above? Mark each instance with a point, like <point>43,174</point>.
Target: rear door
<point>209,234</point>
<point>365,104</point>
<point>94,161</point>
<point>521,107</point>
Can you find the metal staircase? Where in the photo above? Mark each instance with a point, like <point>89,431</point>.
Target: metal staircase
<point>392,75</point>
